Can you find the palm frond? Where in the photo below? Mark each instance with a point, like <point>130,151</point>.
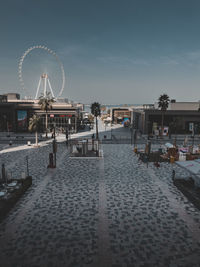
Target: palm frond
<point>46,102</point>
<point>163,102</point>
<point>95,109</point>
<point>34,123</point>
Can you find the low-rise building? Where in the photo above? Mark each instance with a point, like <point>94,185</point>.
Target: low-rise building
<point>118,114</point>
<point>15,114</point>
<point>179,118</point>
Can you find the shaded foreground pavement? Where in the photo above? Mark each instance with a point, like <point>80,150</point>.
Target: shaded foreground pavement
<point>110,212</point>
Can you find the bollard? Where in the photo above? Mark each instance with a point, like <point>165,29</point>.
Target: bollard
<point>27,167</point>
<point>149,148</point>
<point>3,172</point>
<point>54,152</point>
<point>146,159</point>
<point>173,175</point>
<point>54,146</point>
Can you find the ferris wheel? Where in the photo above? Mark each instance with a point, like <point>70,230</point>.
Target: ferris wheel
<point>44,79</point>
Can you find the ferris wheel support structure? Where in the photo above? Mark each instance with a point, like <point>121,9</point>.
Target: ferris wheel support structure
<point>45,80</point>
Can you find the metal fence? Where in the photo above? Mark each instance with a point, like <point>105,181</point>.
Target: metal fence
<point>84,146</point>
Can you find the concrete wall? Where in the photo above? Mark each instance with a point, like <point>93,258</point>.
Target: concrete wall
<point>181,106</point>
<point>184,106</point>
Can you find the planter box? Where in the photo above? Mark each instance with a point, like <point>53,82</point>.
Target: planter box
<point>7,203</point>
<point>153,157</point>
<point>189,190</point>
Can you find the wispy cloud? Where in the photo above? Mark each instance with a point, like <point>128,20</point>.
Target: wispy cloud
<point>165,60</point>
<point>141,62</point>
<point>88,52</point>
<point>193,55</point>
<point>189,58</point>
<point>69,49</point>
<point>122,60</point>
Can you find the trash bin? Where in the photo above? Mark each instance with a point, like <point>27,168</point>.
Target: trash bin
<point>172,159</point>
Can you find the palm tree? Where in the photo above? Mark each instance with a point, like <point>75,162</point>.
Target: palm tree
<point>34,125</point>
<point>163,103</point>
<point>45,102</point>
<point>96,111</point>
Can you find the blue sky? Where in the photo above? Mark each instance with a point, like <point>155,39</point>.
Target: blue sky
<point>114,51</point>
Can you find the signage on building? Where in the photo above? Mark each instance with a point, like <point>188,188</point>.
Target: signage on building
<point>22,119</point>
<point>191,126</point>
<point>62,115</point>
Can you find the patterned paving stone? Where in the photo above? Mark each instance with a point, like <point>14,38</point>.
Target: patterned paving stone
<point>114,212</point>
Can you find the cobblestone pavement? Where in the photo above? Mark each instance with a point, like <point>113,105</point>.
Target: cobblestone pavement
<point>110,212</point>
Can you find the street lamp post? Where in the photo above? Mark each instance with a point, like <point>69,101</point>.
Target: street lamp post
<point>27,167</point>
<point>193,136</point>
<point>135,137</point>
<point>67,135</point>
<point>131,134</point>
<point>54,145</point>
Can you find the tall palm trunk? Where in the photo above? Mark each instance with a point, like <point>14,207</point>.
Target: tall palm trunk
<point>46,123</point>
<point>97,134</point>
<point>36,138</point>
<point>162,124</point>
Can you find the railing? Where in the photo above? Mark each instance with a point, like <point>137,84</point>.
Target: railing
<point>84,147</point>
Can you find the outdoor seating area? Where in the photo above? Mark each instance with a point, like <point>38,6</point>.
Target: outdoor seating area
<point>146,155</point>
<point>186,171</point>
<point>10,192</point>
<point>169,153</point>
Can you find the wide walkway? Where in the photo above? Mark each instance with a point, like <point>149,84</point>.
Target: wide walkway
<point>110,212</point>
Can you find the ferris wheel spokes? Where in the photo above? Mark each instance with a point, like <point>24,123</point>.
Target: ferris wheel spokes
<point>45,80</point>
